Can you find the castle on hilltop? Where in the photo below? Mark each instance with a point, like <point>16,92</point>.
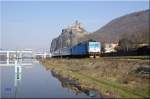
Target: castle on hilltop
<point>68,37</point>
<point>75,27</point>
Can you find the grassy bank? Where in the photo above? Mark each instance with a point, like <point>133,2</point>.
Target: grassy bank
<point>111,77</point>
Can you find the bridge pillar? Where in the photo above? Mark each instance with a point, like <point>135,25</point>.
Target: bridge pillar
<point>7,57</point>
<point>44,56</point>
<point>20,56</point>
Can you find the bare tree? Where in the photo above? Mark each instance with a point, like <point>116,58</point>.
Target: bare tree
<point>125,44</point>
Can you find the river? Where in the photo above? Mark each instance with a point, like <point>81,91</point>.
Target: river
<point>34,81</point>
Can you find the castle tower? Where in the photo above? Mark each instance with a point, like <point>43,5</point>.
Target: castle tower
<point>76,25</point>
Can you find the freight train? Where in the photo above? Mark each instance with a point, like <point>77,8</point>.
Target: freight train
<point>82,49</point>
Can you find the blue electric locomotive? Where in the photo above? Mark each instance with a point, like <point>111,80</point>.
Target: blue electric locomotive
<point>86,48</point>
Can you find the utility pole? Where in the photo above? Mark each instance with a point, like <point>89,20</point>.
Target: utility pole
<point>70,41</point>
<point>61,46</point>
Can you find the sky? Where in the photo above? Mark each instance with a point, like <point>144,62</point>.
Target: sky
<point>33,24</point>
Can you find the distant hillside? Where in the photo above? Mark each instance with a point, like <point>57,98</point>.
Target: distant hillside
<point>134,25</point>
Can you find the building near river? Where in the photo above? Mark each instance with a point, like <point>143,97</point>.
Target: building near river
<point>110,47</point>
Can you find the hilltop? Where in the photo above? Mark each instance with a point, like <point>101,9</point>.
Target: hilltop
<point>68,37</point>
<point>133,25</point>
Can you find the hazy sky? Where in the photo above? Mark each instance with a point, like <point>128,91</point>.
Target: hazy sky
<point>33,24</point>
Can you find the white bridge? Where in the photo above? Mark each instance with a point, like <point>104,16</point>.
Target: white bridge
<point>18,54</point>
<point>6,57</point>
<point>9,55</point>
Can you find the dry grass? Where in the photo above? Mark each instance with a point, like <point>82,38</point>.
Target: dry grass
<point>106,75</point>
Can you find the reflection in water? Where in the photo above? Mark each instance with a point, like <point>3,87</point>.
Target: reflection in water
<point>18,73</point>
<point>20,81</point>
<point>17,79</point>
<point>74,86</point>
<point>16,82</point>
<point>16,65</point>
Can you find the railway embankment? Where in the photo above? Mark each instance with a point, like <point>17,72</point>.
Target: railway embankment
<point>120,77</point>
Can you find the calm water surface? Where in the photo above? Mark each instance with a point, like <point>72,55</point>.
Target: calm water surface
<point>34,82</point>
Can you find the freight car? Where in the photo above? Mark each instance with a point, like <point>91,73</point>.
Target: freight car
<point>82,49</point>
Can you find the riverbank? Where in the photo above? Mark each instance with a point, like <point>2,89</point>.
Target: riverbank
<point>111,77</point>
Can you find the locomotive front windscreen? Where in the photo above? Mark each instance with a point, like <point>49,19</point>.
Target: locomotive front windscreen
<point>94,47</point>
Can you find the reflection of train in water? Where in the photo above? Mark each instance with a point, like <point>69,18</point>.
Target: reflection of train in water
<point>83,49</point>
